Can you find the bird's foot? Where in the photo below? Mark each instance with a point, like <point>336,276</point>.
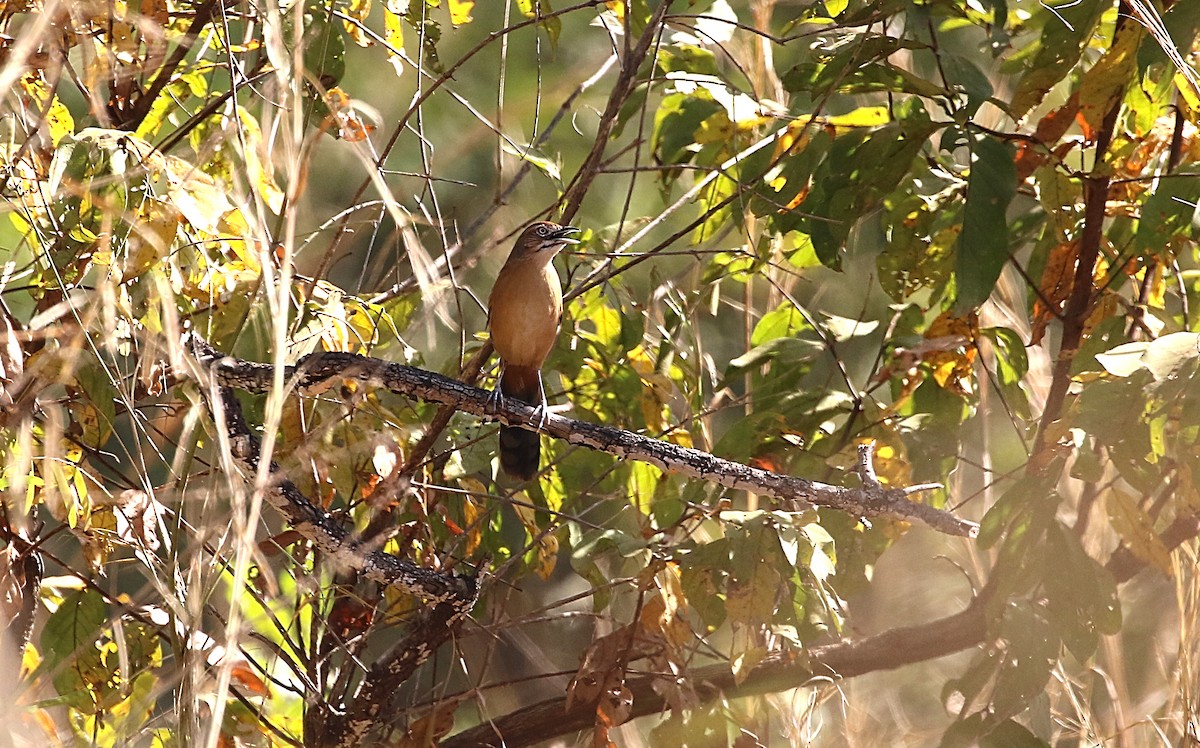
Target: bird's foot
<point>539,415</point>
<point>542,409</point>
<point>492,406</point>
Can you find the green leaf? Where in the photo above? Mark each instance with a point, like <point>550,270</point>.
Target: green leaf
<point>1012,505</point>
<point>844,328</point>
<point>96,383</point>
<point>861,168</point>
<point>854,69</point>
<point>1182,22</point>
<point>544,164</point>
<point>1032,647</point>
<point>1066,28</point>
<point>983,245</point>
<point>678,118</point>
<point>324,46</point>
<point>784,321</point>
<point>1081,595</point>
<point>686,58</point>
<point>870,78</point>
<point>964,74</point>
<point>71,640</point>
<point>921,231</point>
<point>1012,363</point>
<point>1170,211</point>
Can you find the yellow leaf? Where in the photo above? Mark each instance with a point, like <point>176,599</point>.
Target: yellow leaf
<point>197,195</point>
<point>1104,84</point>
<point>547,543</point>
<point>261,175</point>
<point>952,359</point>
<point>393,35</point>
<point>1137,529</point>
<point>57,118</point>
<point>357,10</point>
<point>460,11</point>
<point>867,116</point>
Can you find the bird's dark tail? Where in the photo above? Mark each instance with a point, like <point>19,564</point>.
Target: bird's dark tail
<point>520,450</point>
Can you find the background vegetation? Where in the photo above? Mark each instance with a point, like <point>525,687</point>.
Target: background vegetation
<point>962,229</point>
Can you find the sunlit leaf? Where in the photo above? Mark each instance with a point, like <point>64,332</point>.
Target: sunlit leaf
<point>1104,83</point>
<point>1136,529</point>
<point>460,11</point>
<point>1065,30</point>
<point>393,34</point>
<point>860,168</point>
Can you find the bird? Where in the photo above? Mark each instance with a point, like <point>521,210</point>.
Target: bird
<point>524,313</point>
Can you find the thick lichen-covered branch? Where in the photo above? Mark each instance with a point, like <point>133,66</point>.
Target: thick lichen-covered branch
<point>316,370</point>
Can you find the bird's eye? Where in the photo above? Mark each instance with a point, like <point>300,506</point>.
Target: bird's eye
<point>542,230</point>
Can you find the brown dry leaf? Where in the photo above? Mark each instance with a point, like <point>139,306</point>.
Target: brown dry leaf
<point>953,360</point>
<point>242,675</point>
<point>547,542</point>
<point>1049,129</point>
<point>614,708</point>
<point>276,544</point>
<point>137,515</point>
<point>600,738</point>
<point>1187,491</point>
<point>12,362</point>
<point>664,612</point>
<point>431,727</point>
<point>602,665</point>
<point>471,513</point>
<point>1055,288</point>
<point>350,125</point>
<point>350,617</point>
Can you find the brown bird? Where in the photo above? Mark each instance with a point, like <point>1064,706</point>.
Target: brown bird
<point>524,312</point>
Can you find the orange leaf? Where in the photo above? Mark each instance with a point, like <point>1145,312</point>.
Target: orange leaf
<point>1054,288</point>
<point>952,361</point>
<point>1049,129</point>
<point>248,679</point>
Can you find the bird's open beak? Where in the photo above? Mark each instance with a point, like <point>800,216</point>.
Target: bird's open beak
<point>564,235</point>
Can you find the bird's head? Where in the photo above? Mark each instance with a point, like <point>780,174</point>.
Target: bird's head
<point>545,238</point>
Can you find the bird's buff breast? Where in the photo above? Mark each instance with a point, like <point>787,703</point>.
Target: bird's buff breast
<point>525,314</point>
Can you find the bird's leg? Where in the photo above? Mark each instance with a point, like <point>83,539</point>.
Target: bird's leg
<point>542,408</point>
<point>495,397</point>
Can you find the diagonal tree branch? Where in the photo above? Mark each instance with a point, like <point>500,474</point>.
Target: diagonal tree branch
<point>326,533</point>
<point>781,671</point>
